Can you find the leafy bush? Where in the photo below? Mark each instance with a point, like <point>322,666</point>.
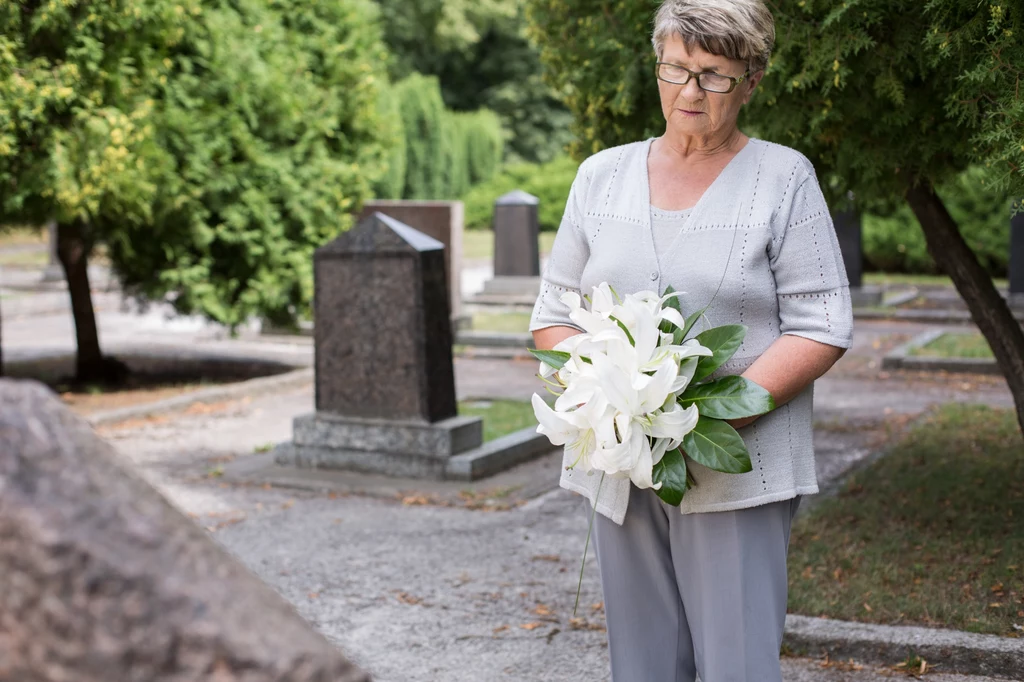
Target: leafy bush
<point>895,242</point>
<point>423,117</point>
<point>549,182</point>
<point>485,144</point>
<point>391,184</point>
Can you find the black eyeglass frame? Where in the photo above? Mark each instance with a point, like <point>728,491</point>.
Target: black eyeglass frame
<point>734,80</point>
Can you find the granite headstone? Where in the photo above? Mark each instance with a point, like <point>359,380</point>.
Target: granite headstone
<point>101,579</point>
<point>516,250</point>
<point>385,383</point>
<point>442,220</point>
<point>849,232</point>
<point>516,227</point>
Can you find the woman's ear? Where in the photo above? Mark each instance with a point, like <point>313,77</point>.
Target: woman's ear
<point>752,84</point>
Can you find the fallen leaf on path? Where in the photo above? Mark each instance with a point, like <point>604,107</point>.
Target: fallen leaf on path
<point>542,610</point>
<point>500,628</point>
<point>531,626</point>
<point>407,598</point>
<point>546,557</point>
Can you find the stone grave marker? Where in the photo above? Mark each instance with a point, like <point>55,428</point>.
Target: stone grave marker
<point>516,248</point>
<point>101,579</point>
<point>385,385</point>
<point>849,232</point>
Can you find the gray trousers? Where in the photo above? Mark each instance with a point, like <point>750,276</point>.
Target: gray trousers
<point>696,593</point>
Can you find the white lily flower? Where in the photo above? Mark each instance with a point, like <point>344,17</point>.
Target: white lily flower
<point>674,422</point>
<point>573,429</point>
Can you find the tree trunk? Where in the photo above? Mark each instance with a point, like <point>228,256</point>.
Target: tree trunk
<point>73,251</point>
<point>989,310</point>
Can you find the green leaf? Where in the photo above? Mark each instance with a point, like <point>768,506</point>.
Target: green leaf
<point>670,472</point>
<point>731,397</point>
<point>555,358</point>
<point>716,445</point>
<point>674,301</point>
<point>692,320</point>
<point>723,342</point>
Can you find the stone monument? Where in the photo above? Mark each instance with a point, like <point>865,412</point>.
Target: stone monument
<point>442,220</point>
<point>516,248</point>
<point>385,385</point>
<point>101,579</point>
<point>848,231</point>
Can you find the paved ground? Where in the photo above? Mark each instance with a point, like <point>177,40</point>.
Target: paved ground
<point>416,591</point>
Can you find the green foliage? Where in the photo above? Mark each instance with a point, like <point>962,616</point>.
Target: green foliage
<point>269,121</point>
<point>75,109</point>
<point>601,63</point>
<point>485,142</point>
<point>211,146</point>
<point>894,242</point>
<point>549,182</point>
<point>481,54</point>
<point>455,162</point>
<point>423,117</point>
<point>392,181</point>
<point>875,92</point>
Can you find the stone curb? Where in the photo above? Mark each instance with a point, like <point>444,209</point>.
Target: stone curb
<point>250,387</point>
<point>951,651</point>
<point>497,455</point>
<point>901,358</point>
<point>923,316</point>
<point>481,338</point>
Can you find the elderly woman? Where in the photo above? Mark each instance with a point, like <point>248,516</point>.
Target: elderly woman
<point>740,223</point>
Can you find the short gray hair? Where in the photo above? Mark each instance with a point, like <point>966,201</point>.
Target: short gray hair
<point>735,29</point>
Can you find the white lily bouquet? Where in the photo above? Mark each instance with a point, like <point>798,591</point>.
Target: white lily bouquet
<point>634,395</point>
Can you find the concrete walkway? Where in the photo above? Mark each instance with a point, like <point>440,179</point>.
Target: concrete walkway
<point>410,579</point>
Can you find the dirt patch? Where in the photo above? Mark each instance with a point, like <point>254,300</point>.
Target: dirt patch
<point>149,377</point>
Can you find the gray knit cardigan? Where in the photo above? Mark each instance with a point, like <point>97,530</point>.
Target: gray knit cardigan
<point>763,234</point>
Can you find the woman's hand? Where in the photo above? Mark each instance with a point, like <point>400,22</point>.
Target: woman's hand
<point>549,337</point>
<point>789,366</point>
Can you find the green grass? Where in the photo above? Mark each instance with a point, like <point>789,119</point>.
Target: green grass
<point>25,259</point>
<point>903,279</point>
<point>479,244</point>
<point>501,417</point>
<point>932,533</point>
<point>969,345</point>
<point>501,322</point>
<point>21,236</point>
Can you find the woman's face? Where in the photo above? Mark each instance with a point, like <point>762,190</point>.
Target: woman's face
<point>689,110</point>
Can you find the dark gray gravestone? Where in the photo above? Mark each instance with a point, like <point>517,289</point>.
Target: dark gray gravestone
<point>101,579</point>
<point>516,226</point>
<point>383,337</point>
<point>848,231</point>
<point>516,252</point>
<point>385,383</point>
<point>1017,254</point>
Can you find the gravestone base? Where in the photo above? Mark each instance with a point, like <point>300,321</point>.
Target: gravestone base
<point>395,448</point>
<point>865,296</point>
<point>516,287</point>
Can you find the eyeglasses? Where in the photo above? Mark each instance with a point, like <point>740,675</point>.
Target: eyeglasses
<point>708,81</point>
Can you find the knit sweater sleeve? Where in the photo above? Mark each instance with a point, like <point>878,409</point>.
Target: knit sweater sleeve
<point>564,268</point>
<point>810,277</point>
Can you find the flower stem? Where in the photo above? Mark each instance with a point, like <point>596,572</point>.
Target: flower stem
<point>590,528</point>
